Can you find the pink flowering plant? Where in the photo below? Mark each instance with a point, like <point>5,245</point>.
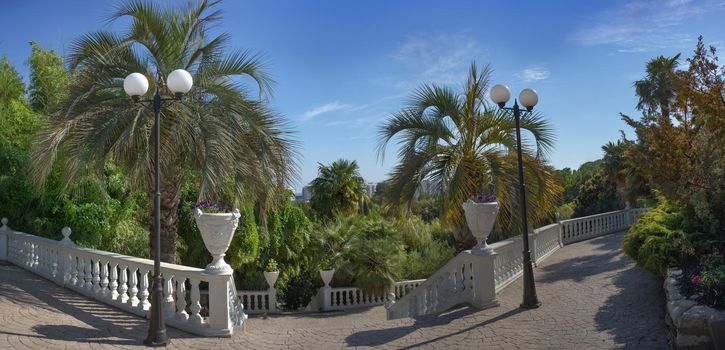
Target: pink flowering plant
<point>483,197</point>
<point>210,207</point>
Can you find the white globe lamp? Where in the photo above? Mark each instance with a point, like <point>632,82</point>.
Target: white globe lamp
<point>135,85</point>
<point>500,94</point>
<point>529,98</point>
<point>179,82</point>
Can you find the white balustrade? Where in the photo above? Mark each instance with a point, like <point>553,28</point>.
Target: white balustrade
<point>587,227</point>
<point>467,278</point>
<point>254,301</point>
<point>123,281</point>
<point>546,240</point>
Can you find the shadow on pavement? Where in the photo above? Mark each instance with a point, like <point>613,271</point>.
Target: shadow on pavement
<point>635,315</point>
<point>383,336</point>
<point>107,325</point>
<point>607,257</point>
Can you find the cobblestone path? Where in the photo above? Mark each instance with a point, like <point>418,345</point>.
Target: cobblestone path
<point>593,297</point>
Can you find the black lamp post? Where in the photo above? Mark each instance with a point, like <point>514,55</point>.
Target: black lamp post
<point>136,85</point>
<point>500,94</point>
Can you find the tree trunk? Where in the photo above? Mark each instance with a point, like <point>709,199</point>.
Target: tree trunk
<point>170,198</point>
<point>463,238</point>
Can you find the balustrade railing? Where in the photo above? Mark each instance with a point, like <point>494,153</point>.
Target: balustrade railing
<point>447,287</point>
<point>583,228</point>
<point>123,281</point>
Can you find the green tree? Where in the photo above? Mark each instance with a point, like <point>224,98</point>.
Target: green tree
<point>48,79</point>
<point>656,91</point>
<point>338,189</point>
<point>12,84</point>
<point>464,145</point>
<point>220,129</point>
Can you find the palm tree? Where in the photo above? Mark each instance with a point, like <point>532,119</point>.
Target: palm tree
<point>463,145</point>
<point>338,189</point>
<point>657,89</point>
<point>220,129</point>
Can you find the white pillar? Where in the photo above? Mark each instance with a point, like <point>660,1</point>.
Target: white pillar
<point>483,295</point>
<point>219,303</point>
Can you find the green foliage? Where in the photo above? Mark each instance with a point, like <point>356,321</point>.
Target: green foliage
<point>271,266</point>
<point>656,240</point>
<point>338,189</point>
<point>300,289</point>
<point>12,84</point>
<point>372,253</point>
<point>597,195</point>
<point>49,79</point>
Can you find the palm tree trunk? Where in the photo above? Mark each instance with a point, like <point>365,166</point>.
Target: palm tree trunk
<point>170,198</point>
<point>463,238</point>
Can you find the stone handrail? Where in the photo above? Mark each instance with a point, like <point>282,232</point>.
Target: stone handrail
<point>256,301</point>
<point>508,264</point>
<point>343,298</point>
<point>447,287</point>
<point>123,281</point>
<point>587,227</point>
<point>467,278</point>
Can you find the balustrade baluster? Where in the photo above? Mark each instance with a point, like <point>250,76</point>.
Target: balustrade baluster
<point>113,285</point>
<point>104,279</point>
<point>181,299</point>
<point>169,295</point>
<point>144,291</point>
<point>122,284</point>
<point>132,283</point>
<point>88,274</point>
<point>96,277</point>
<point>195,305</point>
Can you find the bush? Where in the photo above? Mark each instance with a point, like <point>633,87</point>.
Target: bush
<point>300,289</point>
<point>656,240</point>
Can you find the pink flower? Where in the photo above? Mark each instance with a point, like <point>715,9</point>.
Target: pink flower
<point>696,280</point>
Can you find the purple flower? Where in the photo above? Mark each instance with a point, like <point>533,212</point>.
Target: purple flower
<point>208,206</point>
<point>483,197</point>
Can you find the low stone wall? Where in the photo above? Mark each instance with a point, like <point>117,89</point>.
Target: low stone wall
<point>691,326</point>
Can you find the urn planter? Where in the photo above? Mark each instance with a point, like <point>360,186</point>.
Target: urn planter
<point>480,218</point>
<point>327,276</point>
<point>217,231</point>
<point>271,277</point>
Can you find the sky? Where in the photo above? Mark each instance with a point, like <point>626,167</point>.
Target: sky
<point>343,67</point>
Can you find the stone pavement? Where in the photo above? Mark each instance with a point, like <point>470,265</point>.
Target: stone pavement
<point>593,297</point>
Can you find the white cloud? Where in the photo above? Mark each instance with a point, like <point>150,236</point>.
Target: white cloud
<point>443,59</point>
<point>646,25</point>
<point>533,73</point>
<point>326,108</point>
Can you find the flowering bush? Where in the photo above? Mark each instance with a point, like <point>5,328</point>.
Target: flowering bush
<point>211,207</point>
<point>483,197</point>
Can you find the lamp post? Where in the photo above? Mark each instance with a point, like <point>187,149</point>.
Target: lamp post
<point>500,94</point>
<point>136,85</point>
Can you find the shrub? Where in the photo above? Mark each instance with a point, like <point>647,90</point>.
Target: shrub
<point>300,289</point>
<point>656,240</point>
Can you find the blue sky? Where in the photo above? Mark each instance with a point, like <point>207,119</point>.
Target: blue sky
<point>342,67</point>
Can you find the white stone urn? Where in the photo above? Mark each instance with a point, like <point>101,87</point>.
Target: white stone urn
<point>327,276</point>
<point>271,277</point>
<point>480,218</point>
<point>217,231</point>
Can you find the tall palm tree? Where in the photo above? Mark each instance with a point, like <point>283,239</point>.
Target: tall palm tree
<point>657,89</point>
<point>220,129</point>
<point>338,189</point>
<point>464,145</point>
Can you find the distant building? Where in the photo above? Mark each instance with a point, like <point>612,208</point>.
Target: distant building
<point>370,188</point>
<point>306,193</point>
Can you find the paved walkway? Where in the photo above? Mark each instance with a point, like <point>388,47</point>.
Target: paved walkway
<point>593,298</point>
